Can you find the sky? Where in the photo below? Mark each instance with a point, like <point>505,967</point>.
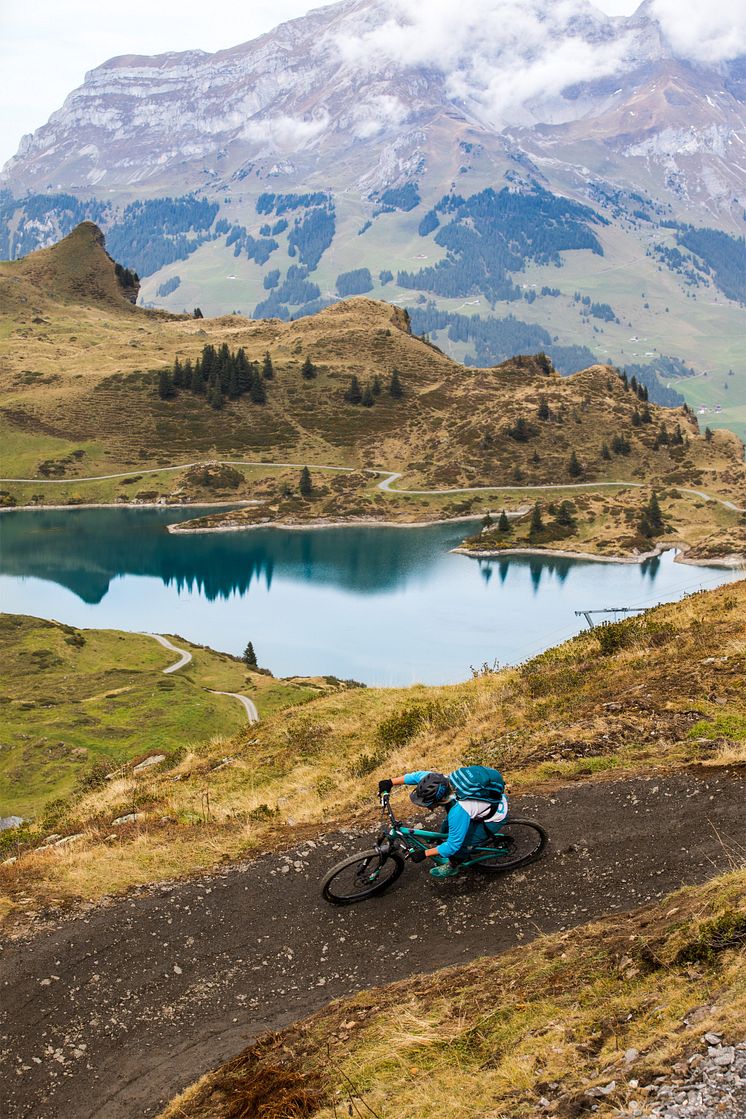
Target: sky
<point>46,47</point>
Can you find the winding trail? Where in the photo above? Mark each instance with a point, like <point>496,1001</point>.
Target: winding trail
<point>386,485</point>
<point>108,1014</point>
<point>184,655</point>
<point>249,705</point>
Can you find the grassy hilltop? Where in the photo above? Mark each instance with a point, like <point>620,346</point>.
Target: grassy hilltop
<point>661,690</point>
<point>79,381</point>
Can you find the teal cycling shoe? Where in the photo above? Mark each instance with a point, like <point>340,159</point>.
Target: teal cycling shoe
<point>445,870</point>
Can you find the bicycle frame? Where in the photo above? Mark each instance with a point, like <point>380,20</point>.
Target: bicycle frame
<point>420,839</point>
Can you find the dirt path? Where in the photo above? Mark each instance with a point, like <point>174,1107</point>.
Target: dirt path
<point>110,1013</point>
<point>249,705</point>
<point>184,655</point>
<point>386,485</point>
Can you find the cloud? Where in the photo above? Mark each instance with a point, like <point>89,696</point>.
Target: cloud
<point>285,133</point>
<point>710,33</point>
<point>377,113</point>
<point>494,54</point>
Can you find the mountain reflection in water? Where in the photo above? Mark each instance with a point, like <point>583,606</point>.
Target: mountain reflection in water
<point>381,604</point>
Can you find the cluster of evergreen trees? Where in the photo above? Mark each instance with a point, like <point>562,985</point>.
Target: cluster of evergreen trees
<point>651,519</point>
<point>356,282</point>
<point>268,203</point>
<point>312,234</point>
<point>217,374</point>
<point>494,233</point>
<point>259,249</point>
<point>405,197</point>
<point>366,395</point>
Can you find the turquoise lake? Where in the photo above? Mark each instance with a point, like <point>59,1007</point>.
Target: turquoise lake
<point>380,605</point>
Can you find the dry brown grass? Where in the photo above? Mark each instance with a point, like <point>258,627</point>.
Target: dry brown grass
<point>549,1020</point>
<point>668,691</point>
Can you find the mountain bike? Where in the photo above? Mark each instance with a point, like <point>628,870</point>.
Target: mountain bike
<point>516,843</point>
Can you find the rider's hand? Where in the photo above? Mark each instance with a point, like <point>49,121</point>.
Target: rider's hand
<point>385,786</point>
<point>417,856</point>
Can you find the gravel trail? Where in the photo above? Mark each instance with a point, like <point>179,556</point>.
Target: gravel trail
<point>110,1013</point>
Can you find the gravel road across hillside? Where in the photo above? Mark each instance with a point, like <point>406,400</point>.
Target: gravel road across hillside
<point>110,1013</point>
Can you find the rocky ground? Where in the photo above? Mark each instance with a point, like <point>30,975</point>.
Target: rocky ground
<point>109,1014</point>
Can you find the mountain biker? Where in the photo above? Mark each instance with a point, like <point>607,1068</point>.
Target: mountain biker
<point>467,821</point>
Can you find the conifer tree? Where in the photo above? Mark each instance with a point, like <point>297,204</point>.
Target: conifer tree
<point>487,521</point>
<point>503,524</point>
<point>165,384</point>
<point>198,381</point>
<point>308,369</point>
<point>305,486</point>
<point>249,656</point>
<point>574,466</point>
<point>177,374</point>
<point>354,393</point>
<point>375,385</point>
<point>537,524</point>
<point>367,399</point>
<point>234,389</point>
<point>257,392</point>
<point>565,516</point>
<point>396,389</point>
<point>215,395</point>
<point>268,369</point>
<point>605,452</point>
<point>543,410</point>
<point>197,314</point>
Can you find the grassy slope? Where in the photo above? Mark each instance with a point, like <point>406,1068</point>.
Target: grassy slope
<point>608,525</point>
<point>70,380</point>
<point>663,690</point>
<point>547,1021</point>
<point>657,312</point>
<point>74,699</point>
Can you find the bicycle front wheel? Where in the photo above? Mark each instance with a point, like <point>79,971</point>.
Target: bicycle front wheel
<point>518,843</point>
<point>361,876</point>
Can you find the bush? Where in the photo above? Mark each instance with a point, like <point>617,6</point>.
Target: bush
<point>402,725</point>
<point>367,763</point>
<point>613,636</point>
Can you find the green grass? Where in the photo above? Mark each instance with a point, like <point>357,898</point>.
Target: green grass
<point>73,699</point>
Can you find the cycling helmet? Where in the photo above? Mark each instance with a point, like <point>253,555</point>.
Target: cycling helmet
<point>431,790</point>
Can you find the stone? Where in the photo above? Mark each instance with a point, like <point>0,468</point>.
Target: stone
<point>128,819</point>
<point>154,759</point>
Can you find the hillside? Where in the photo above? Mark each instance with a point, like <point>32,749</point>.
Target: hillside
<point>78,704</point>
<point>646,695</point>
<point>566,183</point>
<point>74,368</point>
<point>609,1018</point>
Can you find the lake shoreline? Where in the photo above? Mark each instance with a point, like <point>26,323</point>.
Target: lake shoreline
<point>731,561</point>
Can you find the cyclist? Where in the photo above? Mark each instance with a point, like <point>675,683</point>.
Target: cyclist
<point>467,821</point>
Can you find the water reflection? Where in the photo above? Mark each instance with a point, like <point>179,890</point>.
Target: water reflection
<point>383,605</point>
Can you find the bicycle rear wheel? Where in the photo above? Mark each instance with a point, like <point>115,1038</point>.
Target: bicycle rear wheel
<point>518,843</point>
<point>361,876</point>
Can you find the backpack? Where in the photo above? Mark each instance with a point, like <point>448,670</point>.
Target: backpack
<point>478,782</point>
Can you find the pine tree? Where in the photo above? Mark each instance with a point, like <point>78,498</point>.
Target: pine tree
<point>396,389</point>
<point>268,369</point>
<point>257,392</point>
<point>197,314</point>
<point>233,385</point>
<point>249,656</point>
<point>375,386</point>
<point>354,393</point>
<point>305,486</point>
<point>308,369</point>
<point>543,410</point>
<point>177,374</point>
<point>520,431</point>
<point>708,434</point>
<point>503,524</point>
<point>545,363</point>
<point>367,399</point>
<point>198,381</point>
<point>565,516</point>
<point>605,452</point>
<point>487,521</point>
<point>165,384</point>
<point>574,466</point>
<point>215,395</point>
<point>537,524</point>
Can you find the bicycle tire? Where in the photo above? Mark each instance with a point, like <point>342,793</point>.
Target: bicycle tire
<point>337,895</point>
<point>520,857</point>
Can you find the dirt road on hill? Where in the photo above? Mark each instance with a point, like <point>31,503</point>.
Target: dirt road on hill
<point>109,1014</point>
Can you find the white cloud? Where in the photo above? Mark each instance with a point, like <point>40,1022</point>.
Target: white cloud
<point>710,33</point>
<point>376,114</point>
<point>285,133</point>
<point>495,54</point>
